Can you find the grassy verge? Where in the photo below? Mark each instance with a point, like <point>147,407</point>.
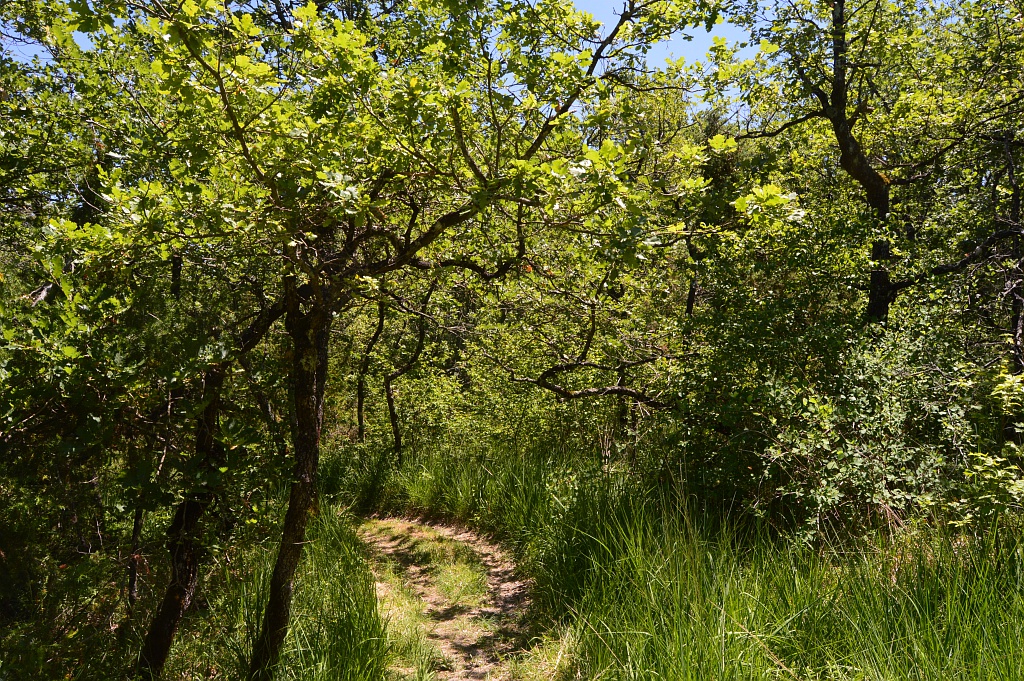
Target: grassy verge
<point>644,589</point>
<point>82,630</point>
<point>337,632</point>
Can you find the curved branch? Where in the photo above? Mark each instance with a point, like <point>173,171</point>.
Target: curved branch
<point>980,250</point>
<point>543,381</point>
<point>389,379</point>
<point>551,122</point>
<point>784,127</point>
<point>567,394</point>
<point>461,140</point>
<point>480,270</point>
<point>238,132</point>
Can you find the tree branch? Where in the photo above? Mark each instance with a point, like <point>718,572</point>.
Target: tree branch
<point>784,127</point>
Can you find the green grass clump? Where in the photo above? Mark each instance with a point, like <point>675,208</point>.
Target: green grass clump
<point>338,634</point>
<point>413,656</point>
<point>462,584</point>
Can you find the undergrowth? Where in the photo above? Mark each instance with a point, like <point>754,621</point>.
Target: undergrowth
<point>337,632</point>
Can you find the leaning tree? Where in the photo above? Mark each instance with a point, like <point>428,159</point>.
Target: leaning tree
<point>314,152</point>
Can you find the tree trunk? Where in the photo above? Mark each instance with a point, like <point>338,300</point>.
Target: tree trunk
<point>364,367</point>
<point>183,538</point>
<point>135,558</point>
<point>389,379</point>
<point>396,429</point>
<point>853,159</point>
<point>880,292</point>
<point>310,334</point>
<point>1015,288</point>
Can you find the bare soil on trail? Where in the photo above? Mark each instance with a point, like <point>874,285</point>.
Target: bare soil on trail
<point>454,604</point>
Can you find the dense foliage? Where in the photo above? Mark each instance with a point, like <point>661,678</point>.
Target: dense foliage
<point>487,260</point>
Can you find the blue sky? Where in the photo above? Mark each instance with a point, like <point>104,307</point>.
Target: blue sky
<point>604,11</point>
<point>692,50</point>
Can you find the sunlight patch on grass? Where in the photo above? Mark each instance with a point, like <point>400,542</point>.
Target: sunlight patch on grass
<point>462,584</point>
<point>413,656</point>
<point>550,659</point>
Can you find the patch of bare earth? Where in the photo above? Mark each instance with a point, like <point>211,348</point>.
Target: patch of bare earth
<point>457,593</point>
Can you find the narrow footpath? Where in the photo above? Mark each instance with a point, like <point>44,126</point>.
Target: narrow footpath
<point>455,607</point>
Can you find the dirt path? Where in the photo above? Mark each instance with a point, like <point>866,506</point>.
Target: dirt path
<point>454,605</point>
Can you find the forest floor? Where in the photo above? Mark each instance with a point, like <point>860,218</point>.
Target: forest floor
<point>454,605</point>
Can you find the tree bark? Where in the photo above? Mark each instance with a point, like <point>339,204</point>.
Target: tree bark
<point>691,296</point>
<point>389,379</point>
<point>396,429</point>
<point>880,289</point>
<point>135,558</point>
<point>854,160</point>
<point>309,332</point>
<point>183,541</point>
<point>183,535</point>
<point>1016,287</point>
<point>364,367</point>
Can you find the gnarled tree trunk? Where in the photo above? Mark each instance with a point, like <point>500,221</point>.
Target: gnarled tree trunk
<point>310,333</point>
<point>854,160</point>
<point>183,537</point>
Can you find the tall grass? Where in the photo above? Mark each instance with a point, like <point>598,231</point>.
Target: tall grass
<point>651,589</point>
<point>669,602</point>
<point>337,633</point>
